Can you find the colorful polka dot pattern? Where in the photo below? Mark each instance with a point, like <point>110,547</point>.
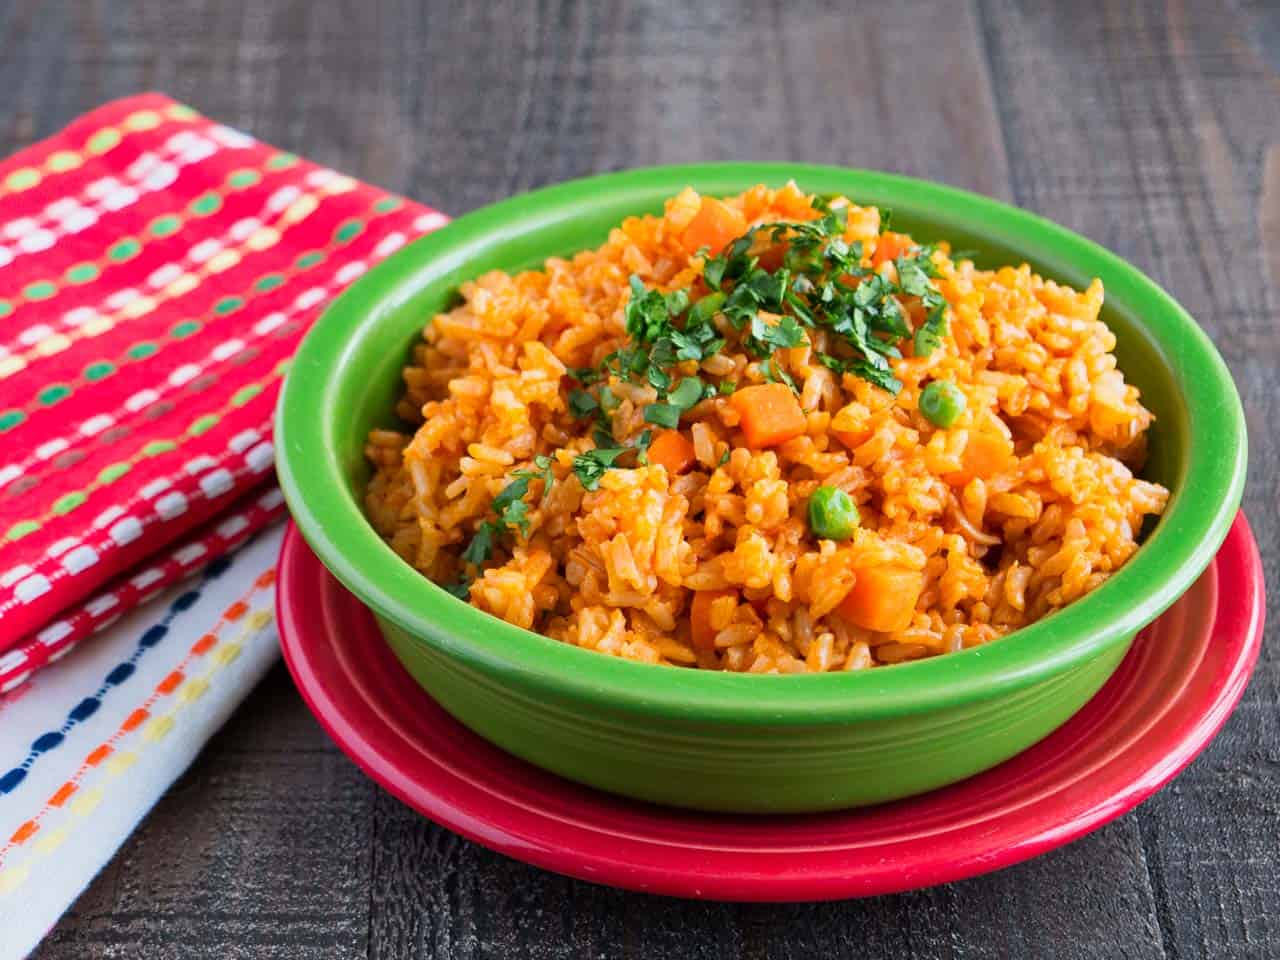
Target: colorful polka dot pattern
<point>139,382</point>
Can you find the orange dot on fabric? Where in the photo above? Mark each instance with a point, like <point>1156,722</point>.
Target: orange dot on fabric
<point>64,792</point>
<point>266,578</point>
<point>170,683</point>
<point>24,833</point>
<point>98,755</point>
<point>235,611</point>
<point>135,719</point>
<point>204,644</point>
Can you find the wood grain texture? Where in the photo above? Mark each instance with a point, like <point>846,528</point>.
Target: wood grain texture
<point>1154,128</point>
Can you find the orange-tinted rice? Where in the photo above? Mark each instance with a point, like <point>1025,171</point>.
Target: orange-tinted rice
<point>615,570</point>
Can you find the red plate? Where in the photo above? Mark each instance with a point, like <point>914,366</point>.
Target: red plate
<point>1183,676</point>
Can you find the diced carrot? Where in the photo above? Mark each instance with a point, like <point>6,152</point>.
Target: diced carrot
<point>714,226</point>
<point>704,634</point>
<point>890,246</point>
<point>985,454</point>
<point>770,414</point>
<point>670,449</point>
<point>882,599</point>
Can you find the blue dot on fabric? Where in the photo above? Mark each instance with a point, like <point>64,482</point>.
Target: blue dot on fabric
<point>85,709</point>
<point>153,635</point>
<point>217,568</point>
<point>185,601</point>
<point>10,780</point>
<point>47,741</point>
<point>120,674</point>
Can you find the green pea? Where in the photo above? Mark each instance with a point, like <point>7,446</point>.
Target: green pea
<point>942,403</point>
<point>832,514</point>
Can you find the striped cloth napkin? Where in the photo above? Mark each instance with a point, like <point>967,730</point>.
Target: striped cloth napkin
<point>157,270</point>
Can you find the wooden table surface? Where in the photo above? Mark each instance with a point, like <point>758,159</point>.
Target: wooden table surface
<point>1152,128</point>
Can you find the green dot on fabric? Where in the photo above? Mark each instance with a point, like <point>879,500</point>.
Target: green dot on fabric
<point>245,394</point>
<point>180,111</point>
<point>62,161</point>
<point>387,204</point>
<point>163,226</point>
<point>282,160</point>
<point>269,282</point>
<point>99,369</point>
<point>228,305</point>
<point>157,447</point>
<point>113,472</point>
<point>103,140</point>
<point>348,230</point>
<point>53,393</point>
<point>40,290</point>
<point>309,259</point>
<point>244,178</point>
<point>21,529</point>
<point>68,502</point>
<point>82,273</point>
<point>283,367</point>
<point>203,424</point>
<point>6,308</point>
<point>184,329</point>
<point>23,179</point>
<point>140,351</point>
<point>206,204</point>
<point>123,249</point>
<point>10,419</point>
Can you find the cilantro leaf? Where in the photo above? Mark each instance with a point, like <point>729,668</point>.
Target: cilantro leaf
<point>481,546</point>
<point>582,404</point>
<point>662,414</point>
<point>513,491</point>
<point>929,337</point>
<point>516,514</point>
<point>590,466</point>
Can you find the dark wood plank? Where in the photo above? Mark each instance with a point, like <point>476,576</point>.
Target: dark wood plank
<point>1150,129</point>
<point>1165,149</point>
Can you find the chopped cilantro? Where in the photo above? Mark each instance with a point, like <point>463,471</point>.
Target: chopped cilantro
<point>582,403</point>
<point>929,337</point>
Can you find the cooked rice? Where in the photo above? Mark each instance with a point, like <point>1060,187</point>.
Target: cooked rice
<point>614,570</point>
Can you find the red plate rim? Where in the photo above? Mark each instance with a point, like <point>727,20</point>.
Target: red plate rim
<point>1086,774</point>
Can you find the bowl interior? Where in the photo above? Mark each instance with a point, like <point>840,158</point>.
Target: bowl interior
<point>346,379</point>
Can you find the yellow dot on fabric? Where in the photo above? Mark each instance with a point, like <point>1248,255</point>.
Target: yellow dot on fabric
<point>180,111</point>
<point>223,261</point>
<point>87,802</point>
<point>51,841</point>
<point>157,729</point>
<point>142,120</point>
<point>97,326</point>
<point>259,619</point>
<point>300,209</point>
<point>51,345</point>
<point>262,239</point>
<point>138,308</point>
<point>193,690</point>
<point>226,653</point>
<point>22,179</point>
<point>340,184</point>
<point>11,365</point>
<point>120,762</point>
<point>103,140</point>
<point>60,161</point>
<point>184,284</point>
<point>11,878</point>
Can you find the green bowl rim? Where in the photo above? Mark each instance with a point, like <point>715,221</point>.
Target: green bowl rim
<point>1177,551</point>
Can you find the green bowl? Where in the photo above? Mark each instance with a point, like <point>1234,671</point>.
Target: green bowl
<point>732,742</point>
